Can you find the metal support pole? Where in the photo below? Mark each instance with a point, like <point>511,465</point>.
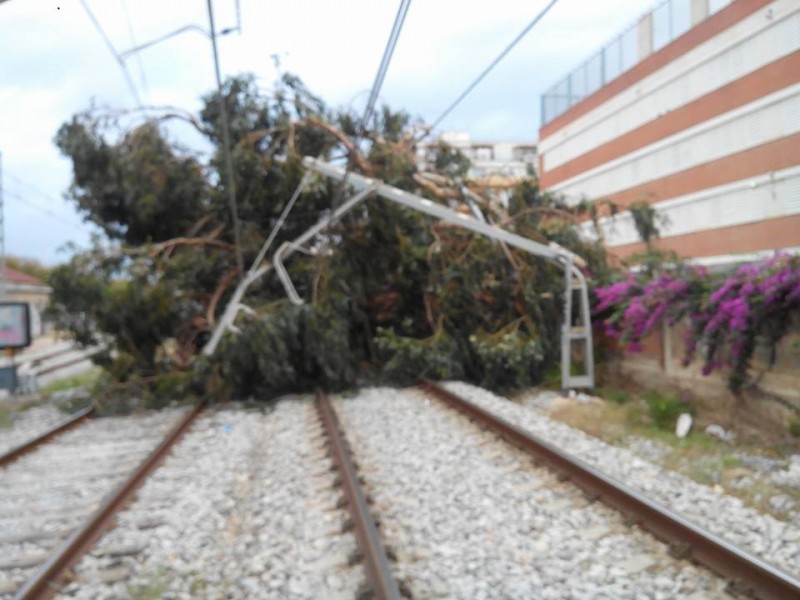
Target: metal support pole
<point>226,142</point>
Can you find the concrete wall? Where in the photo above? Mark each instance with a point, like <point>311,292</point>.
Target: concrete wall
<point>661,362</point>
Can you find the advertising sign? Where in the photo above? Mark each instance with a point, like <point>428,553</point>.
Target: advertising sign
<point>15,325</point>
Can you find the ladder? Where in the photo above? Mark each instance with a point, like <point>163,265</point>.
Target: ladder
<point>576,328</point>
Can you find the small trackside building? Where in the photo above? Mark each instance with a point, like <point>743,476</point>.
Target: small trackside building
<point>695,109</point>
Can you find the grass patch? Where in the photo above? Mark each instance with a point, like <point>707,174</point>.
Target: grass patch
<point>85,379</point>
<point>614,395</point>
<point>7,411</point>
<point>703,458</point>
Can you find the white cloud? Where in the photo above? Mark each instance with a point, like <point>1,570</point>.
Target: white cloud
<point>53,62</point>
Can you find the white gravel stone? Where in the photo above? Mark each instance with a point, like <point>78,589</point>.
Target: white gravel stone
<point>470,517</point>
<point>28,424</point>
<point>243,508</point>
<point>47,493</point>
<point>723,515</point>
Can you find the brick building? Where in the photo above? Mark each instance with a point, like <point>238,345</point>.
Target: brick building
<point>695,109</point>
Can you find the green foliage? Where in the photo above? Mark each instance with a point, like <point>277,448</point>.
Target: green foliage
<point>86,379</point>
<point>391,293</point>
<point>449,160</point>
<point>615,395</point>
<point>511,358</point>
<point>648,221</point>
<point>407,360</point>
<point>794,427</point>
<point>664,409</point>
<point>137,189</point>
<point>289,349</point>
<point>30,266</point>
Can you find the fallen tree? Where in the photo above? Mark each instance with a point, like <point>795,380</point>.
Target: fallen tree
<point>392,295</point>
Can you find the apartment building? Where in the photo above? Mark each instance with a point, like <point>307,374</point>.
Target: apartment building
<point>513,160</point>
<point>694,109</point>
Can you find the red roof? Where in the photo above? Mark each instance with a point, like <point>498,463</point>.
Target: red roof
<point>15,276</point>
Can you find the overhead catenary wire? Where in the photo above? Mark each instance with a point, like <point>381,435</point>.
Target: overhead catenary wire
<point>489,68</point>
<point>391,44</point>
<point>377,84</point>
<point>38,191</point>
<point>132,35</point>
<point>42,209</point>
<point>113,51</point>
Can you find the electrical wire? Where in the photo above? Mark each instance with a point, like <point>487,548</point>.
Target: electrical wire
<point>377,84</point>
<point>33,188</point>
<point>132,35</point>
<point>42,209</point>
<point>391,44</point>
<point>113,51</point>
<point>489,68</point>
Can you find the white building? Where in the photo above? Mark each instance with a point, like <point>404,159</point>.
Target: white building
<point>513,160</point>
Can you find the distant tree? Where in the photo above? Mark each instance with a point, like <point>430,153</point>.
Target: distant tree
<point>30,266</point>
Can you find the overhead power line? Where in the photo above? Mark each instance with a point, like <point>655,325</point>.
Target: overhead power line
<point>42,209</point>
<point>491,66</point>
<point>391,43</point>
<point>374,94</point>
<point>38,191</point>
<point>113,51</point>
<point>132,35</point>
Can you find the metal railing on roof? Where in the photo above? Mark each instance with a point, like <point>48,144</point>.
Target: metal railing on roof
<point>667,21</point>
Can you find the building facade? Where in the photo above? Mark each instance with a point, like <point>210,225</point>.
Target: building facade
<point>695,110</point>
<point>514,160</point>
<point>21,287</point>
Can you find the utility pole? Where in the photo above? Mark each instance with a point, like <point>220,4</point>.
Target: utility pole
<point>226,143</point>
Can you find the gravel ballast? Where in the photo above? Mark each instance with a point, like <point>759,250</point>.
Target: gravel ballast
<point>45,494</point>
<point>244,507</point>
<point>772,540</point>
<point>467,516</point>
<point>28,424</point>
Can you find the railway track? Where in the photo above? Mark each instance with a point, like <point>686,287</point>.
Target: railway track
<point>59,490</point>
<point>392,494</point>
<point>685,543</point>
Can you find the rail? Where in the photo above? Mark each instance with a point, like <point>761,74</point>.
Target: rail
<point>379,572</point>
<point>70,422</point>
<point>746,572</point>
<point>46,580</point>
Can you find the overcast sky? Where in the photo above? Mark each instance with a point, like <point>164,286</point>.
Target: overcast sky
<point>53,63</point>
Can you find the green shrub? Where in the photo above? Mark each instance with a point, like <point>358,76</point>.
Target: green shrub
<point>794,428</point>
<point>509,359</point>
<point>407,360</point>
<point>664,409</point>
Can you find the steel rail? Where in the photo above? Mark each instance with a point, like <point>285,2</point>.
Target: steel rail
<point>70,422</point>
<point>746,573</point>
<point>379,572</point>
<point>45,581</point>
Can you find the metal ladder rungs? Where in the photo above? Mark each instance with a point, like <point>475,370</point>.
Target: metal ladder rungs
<point>578,333</point>
<point>579,381</point>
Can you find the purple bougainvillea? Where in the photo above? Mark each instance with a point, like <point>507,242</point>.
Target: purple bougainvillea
<point>727,313</point>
